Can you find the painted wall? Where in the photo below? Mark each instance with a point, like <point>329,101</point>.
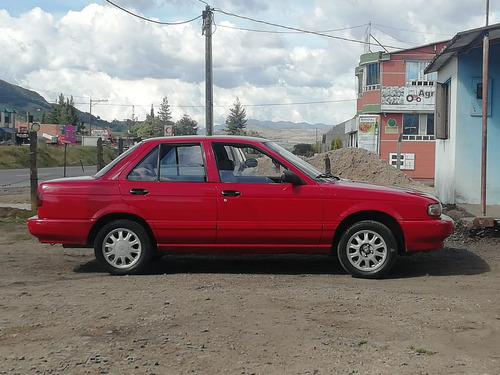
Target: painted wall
<point>469,129</point>
<point>458,159</point>
<point>444,182</point>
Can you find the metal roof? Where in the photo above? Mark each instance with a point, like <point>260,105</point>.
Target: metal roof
<point>463,42</point>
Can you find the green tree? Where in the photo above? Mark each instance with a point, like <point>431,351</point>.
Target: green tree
<point>336,144</point>
<point>63,113</point>
<point>151,127</point>
<point>186,126</point>
<point>236,122</point>
<point>164,113</point>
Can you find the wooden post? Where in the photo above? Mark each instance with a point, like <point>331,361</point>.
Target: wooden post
<point>100,157</point>
<point>33,168</point>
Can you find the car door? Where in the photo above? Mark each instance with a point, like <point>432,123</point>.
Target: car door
<point>169,189</point>
<point>257,211</point>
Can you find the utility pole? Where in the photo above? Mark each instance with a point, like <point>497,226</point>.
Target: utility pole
<point>209,90</point>
<point>92,103</point>
<point>484,118</point>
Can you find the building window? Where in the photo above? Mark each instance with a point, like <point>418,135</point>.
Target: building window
<point>443,104</point>
<point>373,74</point>
<point>418,127</point>
<point>415,73</point>
<point>430,123</point>
<point>410,124</point>
<point>372,77</point>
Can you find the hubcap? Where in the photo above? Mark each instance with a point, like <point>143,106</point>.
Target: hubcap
<point>366,250</point>
<point>122,248</point>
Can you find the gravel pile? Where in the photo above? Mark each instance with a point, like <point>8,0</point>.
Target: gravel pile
<point>361,165</point>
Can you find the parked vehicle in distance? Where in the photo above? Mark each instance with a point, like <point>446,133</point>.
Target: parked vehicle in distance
<point>233,195</point>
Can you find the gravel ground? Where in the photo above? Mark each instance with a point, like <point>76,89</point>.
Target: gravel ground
<point>436,313</point>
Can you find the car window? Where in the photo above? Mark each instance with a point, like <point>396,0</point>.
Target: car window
<point>242,163</point>
<point>170,163</point>
<point>110,166</point>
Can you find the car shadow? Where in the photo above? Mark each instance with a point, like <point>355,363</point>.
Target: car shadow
<point>446,262</point>
<point>246,264</point>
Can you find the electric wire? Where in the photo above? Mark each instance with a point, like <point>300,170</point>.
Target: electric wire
<point>295,28</point>
<point>288,32</point>
<point>149,19</point>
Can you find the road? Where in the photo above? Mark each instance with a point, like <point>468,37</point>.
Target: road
<point>19,178</point>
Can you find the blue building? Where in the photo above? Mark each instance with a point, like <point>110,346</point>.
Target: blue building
<point>458,117</point>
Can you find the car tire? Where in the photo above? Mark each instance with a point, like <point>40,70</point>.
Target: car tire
<point>367,249</point>
<point>123,247</point>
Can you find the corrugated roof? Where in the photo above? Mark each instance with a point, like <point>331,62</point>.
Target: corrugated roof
<point>463,42</point>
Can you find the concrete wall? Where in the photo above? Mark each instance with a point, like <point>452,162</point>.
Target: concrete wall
<point>458,167</point>
<point>444,181</point>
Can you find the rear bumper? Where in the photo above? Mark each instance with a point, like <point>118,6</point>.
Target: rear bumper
<point>74,232</point>
<point>427,235</point>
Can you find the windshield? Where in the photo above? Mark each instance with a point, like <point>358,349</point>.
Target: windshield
<point>106,169</point>
<point>301,164</point>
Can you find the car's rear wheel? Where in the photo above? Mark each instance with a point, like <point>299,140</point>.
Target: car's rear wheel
<point>367,249</point>
<point>123,247</point>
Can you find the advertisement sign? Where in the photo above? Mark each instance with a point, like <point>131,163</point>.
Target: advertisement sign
<point>368,129</point>
<point>407,98</point>
<point>103,133</point>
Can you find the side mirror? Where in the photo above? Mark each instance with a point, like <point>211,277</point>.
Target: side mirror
<point>251,163</point>
<point>290,177</point>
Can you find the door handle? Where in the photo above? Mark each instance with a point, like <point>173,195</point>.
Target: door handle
<point>139,191</point>
<point>230,193</point>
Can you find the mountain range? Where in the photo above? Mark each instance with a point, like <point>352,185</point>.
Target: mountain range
<point>23,100</point>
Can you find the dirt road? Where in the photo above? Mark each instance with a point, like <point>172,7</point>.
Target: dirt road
<point>438,313</point>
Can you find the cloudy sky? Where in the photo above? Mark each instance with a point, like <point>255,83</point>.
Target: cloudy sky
<point>93,50</point>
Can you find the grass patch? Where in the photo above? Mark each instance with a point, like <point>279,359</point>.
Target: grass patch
<point>416,350</point>
<point>12,157</point>
<point>15,215</point>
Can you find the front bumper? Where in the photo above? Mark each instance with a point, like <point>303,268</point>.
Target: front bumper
<point>427,234</point>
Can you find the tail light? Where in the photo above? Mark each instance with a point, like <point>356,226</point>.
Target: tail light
<point>39,199</point>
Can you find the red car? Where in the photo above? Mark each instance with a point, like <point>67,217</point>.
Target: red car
<point>233,195</point>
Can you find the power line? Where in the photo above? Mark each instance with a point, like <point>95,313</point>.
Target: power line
<point>149,19</point>
<point>288,32</point>
<point>229,106</point>
<point>295,28</point>
<point>410,31</point>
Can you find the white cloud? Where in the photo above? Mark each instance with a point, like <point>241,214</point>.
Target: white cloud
<point>97,51</point>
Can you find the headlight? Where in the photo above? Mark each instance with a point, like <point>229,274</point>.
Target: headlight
<point>434,209</point>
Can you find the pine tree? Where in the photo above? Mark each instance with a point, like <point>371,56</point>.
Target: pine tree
<point>164,113</point>
<point>62,113</point>
<point>186,126</point>
<point>236,122</point>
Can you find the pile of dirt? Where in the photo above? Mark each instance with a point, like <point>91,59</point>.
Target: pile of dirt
<point>361,165</point>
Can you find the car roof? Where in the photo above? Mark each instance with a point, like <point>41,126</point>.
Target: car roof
<point>199,138</point>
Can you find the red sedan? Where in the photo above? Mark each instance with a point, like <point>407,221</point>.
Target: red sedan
<point>233,195</point>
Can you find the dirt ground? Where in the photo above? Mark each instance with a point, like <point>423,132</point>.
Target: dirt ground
<point>436,313</point>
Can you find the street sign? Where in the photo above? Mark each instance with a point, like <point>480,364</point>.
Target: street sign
<point>168,131</point>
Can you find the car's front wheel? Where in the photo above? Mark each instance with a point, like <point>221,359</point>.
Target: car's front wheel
<point>367,249</point>
<point>122,247</point>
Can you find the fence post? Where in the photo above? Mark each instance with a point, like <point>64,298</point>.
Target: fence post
<point>33,169</point>
<point>120,145</point>
<point>100,157</point>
